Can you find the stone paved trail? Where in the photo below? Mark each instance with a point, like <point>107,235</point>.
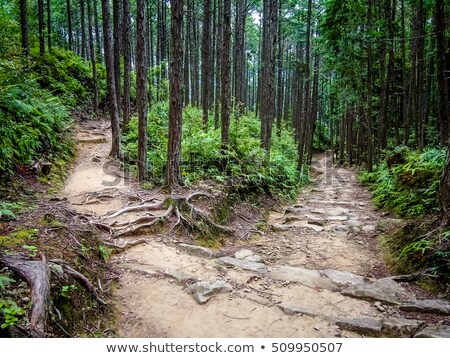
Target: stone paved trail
<point>313,273</point>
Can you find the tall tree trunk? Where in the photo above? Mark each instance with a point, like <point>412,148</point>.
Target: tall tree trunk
<point>98,41</point>
<point>49,25</point>
<point>116,37</point>
<point>69,25</point>
<point>280,83</point>
<point>239,57</point>
<point>141,89</point>
<point>173,174</point>
<point>369,164</point>
<point>268,72</point>
<point>93,60</point>
<point>83,31</point>
<point>24,27</point>
<point>226,69</point>
<point>218,49</point>
<point>41,26</point>
<point>186,68</point>
<point>110,79</point>
<point>206,58</point>
<point>442,76</point>
<point>127,62</point>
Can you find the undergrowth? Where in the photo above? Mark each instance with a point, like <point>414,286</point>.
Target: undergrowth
<point>407,182</point>
<point>243,166</point>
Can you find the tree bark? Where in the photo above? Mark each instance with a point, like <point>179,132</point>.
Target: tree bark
<point>41,26</point>
<point>110,78</point>
<point>219,42</point>
<point>268,71</point>
<point>116,40</point>
<point>93,60</point>
<point>142,90</point>
<point>49,25</point>
<point>24,27</point>
<point>83,31</point>
<point>126,62</point>
<point>173,174</point>
<point>206,58</point>
<point>226,69</point>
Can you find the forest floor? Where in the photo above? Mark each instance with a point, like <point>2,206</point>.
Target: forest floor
<point>315,270</point>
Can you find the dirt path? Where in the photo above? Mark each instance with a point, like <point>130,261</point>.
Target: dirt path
<point>311,274</point>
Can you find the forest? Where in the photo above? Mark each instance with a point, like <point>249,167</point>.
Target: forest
<point>215,117</point>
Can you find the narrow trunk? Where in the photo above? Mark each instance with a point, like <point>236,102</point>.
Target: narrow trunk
<point>141,89</point>
<point>41,26</point>
<point>24,27</point>
<point>83,31</point>
<point>110,79</point>
<point>206,56</point>
<point>116,37</point>
<point>226,69</point>
<point>126,62</point>
<point>49,25</point>
<point>173,175</point>
<point>93,61</point>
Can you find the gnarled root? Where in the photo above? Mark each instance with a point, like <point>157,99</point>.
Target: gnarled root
<point>37,275</point>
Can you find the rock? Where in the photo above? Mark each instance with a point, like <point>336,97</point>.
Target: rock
<point>369,229</point>
<point>401,327</point>
<point>354,222</point>
<point>294,310</point>
<point>384,290</point>
<point>379,306</point>
<point>291,219</point>
<point>440,331</point>
<point>340,228</point>
<point>203,291</point>
<point>316,221</point>
<point>243,264</point>
<point>367,326</point>
<point>255,298</point>
<point>198,251</point>
<point>360,242</point>
<point>281,227</point>
<point>247,255</point>
<point>337,218</point>
<point>178,275</point>
<point>427,306</point>
<point>343,278</point>
<point>310,278</point>
<point>140,267</point>
<point>316,228</point>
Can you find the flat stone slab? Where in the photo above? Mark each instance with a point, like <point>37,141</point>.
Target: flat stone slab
<point>368,229</point>
<point>342,278</point>
<point>427,306</point>
<point>316,221</point>
<point>440,331</point>
<point>384,290</point>
<point>198,251</point>
<point>247,255</point>
<point>337,218</point>
<point>291,219</point>
<point>243,264</point>
<point>401,327</point>
<point>91,139</point>
<point>281,227</point>
<point>316,228</point>
<point>368,326</point>
<point>310,278</point>
<point>179,275</point>
<point>204,290</point>
<point>255,298</point>
<point>294,310</point>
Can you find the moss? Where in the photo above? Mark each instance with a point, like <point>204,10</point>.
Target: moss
<point>18,238</point>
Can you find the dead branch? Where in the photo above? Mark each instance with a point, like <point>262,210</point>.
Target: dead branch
<point>144,207</point>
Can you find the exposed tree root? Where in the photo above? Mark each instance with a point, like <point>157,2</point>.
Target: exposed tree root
<point>37,275</point>
<point>178,208</point>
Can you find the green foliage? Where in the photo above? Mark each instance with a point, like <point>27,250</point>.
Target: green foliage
<point>9,210</point>
<point>11,312</point>
<point>409,188</point>
<point>66,75</point>
<point>32,250</point>
<point>66,290</point>
<point>104,252</point>
<point>243,165</point>
<point>33,123</point>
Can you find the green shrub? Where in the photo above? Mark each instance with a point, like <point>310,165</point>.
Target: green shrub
<point>409,188</point>
<point>243,165</point>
